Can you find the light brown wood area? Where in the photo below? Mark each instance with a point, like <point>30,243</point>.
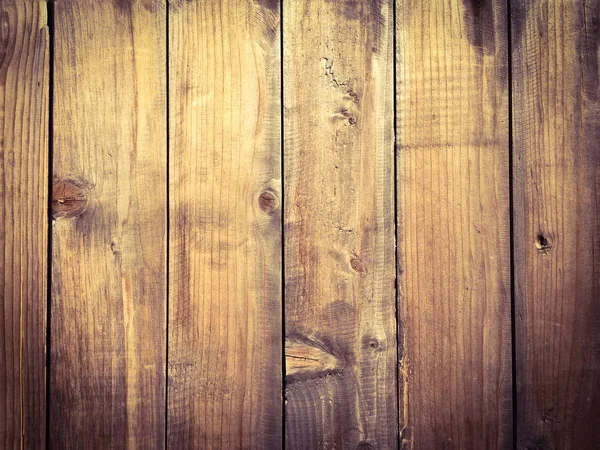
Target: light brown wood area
<point>225,347</point>
<point>299,224</point>
<point>108,321</point>
<point>339,225</point>
<point>454,225</point>
<point>24,73</point>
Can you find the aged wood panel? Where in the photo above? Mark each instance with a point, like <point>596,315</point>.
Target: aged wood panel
<point>556,124</point>
<point>339,225</point>
<point>454,224</point>
<point>108,241</point>
<point>225,300</point>
<point>24,64</point>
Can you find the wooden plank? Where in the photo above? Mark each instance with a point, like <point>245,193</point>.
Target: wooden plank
<point>109,202</point>
<point>225,300</point>
<point>556,124</point>
<point>339,224</point>
<point>454,224</point>
<point>24,63</point>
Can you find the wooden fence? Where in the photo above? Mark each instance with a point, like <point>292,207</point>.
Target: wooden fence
<point>336,224</point>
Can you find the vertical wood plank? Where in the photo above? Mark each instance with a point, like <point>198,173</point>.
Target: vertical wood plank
<point>339,225</point>
<point>556,123</point>
<point>109,204</point>
<point>454,238</point>
<point>24,63</point>
<point>225,326</point>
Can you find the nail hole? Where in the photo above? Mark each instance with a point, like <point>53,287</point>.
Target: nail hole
<point>372,343</point>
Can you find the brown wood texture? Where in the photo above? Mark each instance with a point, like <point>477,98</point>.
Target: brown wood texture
<point>199,301</point>
<point>339,225</point>
<point>24,69</point>
<point>556,124</point>
<point>454,224</point>
<point>108,320</point>
<point>225,299</point>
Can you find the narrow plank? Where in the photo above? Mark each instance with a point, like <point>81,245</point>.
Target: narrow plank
<point>556,124</point>
<point>24,64</point>
<point>225,300</point>
<point>108,240</point>
<point>339,225</point>
<point>454,224</point>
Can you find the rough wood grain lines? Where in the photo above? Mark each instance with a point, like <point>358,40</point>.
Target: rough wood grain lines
<point>24,65</point>
<point>556,126</point>
<point>453,202</point>
<point>225,345</point>
<point>108,251</point>
<point>339,224</point>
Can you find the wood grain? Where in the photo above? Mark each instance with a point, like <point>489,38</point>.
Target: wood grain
<point>453,224</point>
<point>225,300</point>
<point>339,225</point>
<point>108,241</point>
<point>556,123</point>
<point>24,68</point>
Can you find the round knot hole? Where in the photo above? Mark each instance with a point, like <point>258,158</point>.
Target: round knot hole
<point>268,202</point>
<point>543,244</point>
<point>68,199</point>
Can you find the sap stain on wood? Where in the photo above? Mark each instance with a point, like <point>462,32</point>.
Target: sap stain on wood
<point>587,46</point>
<point>479,24</point>
<point>370,15</point>
<point>272,5</point>
<point>151,6</point>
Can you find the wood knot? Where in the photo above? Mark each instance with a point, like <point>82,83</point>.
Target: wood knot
<point>268,202</point>
<point>68,199</point>
<point>543,244</point>
<point>373,344</point>
<point>307,359</point>
<point>358,265</point>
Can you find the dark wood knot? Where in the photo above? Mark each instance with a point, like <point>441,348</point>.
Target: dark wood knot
<point>68,199</point>
<point>268,202</point>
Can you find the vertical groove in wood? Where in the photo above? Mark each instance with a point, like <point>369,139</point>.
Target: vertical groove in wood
<point>557,222</point>
<point>108,242</point>
<point>339,225</point>
<point>24,72</point>
<point>454,217</point>
<point>225,213</point>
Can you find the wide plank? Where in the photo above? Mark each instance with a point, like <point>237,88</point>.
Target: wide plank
<point>340,324</point>
<point>225,300</point>
<point>24,70</point>
<point>454,224</point>
<point>108,306</point>
<point>556,122</point>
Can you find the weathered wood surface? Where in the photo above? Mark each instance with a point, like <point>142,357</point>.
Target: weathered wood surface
<point>355,287</point>
<point>225,321</point>
<point>556,123</point>
<point>453,224</point>
<point>108,321</point>
<point>24,68</point>
<point>339,225</point>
